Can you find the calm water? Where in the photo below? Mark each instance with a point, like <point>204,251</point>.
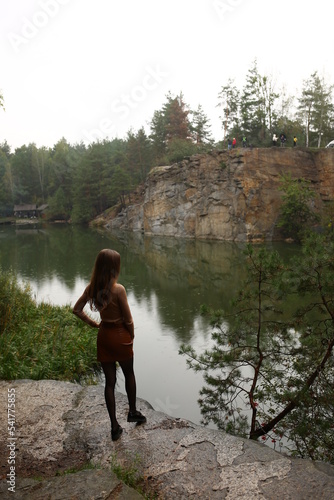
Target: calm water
<point>167,280</point>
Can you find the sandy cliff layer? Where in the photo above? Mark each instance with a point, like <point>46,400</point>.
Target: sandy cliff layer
<point>225,195</point>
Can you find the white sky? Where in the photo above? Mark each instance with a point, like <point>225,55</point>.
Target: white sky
<point>84,69</point>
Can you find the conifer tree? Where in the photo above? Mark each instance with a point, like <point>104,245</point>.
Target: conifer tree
<point>323,115</point>
<point>158,135</point>
<point>252,107</point>
<point>257,106</point>
<point>306,106</point>
<point>25,181</point>
<point>64,160</point>
<point>138,154</point>
<point>40,164</point>
<point>316,110</point>
<point>200,127</point>
<point>171,128</point>
<point>229,101</point>
<point>176,118</point>
<point>5,185</point>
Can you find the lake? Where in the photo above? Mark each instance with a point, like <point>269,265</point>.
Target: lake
<point>167,280</point>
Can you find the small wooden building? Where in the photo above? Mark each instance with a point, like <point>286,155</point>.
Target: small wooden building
<point>25,211</point>
<point>29,211</point>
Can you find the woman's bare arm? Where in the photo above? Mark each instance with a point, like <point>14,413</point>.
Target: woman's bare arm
<point>78,310</point>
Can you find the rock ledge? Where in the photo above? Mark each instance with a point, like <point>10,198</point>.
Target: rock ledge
<point>60,425</point>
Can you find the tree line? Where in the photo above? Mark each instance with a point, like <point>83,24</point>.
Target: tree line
<point>258,110</point>
<point>78,181</point>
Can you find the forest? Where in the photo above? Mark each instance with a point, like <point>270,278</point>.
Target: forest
<point>80,181</point>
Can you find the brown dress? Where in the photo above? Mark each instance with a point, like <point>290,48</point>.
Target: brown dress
<point>114,343</point>
<point>115,335</point>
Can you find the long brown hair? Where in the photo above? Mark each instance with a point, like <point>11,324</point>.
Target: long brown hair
<point>105,273</point>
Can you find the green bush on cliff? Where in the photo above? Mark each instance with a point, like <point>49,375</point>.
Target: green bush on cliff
<point>41,341</point>
<point>297,211</point>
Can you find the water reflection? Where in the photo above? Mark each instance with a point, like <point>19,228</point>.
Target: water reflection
<point>167,280</point>
<point>174,277</point>
<point>183,275</point>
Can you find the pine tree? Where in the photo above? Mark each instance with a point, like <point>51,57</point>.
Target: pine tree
<point>257,106</point>
<point>306,106</point>
<point>6,180</point>
<point>86,189</point>
<point>25,180</point>
<point>269,370</point>
<point>252,106</point>
<point>229,101</point>
<point>171,128</point>
<point>138,154</point>
<point>316,110</point>
<point>40,164</point>
<point>200,127</point>
<point>323,115</point>
<point>269,96</point>
<point>158,135</point>
<point>63,161</point>
<point>177,124</point>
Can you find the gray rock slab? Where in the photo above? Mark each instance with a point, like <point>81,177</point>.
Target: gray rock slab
<point>61,425</point>
<point>84,485</point>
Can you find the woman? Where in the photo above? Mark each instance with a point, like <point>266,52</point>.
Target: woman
<point>116,332</point>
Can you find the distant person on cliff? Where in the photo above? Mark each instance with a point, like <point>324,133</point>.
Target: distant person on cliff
<point>115,335</point>
<point>283,140</point>
<point>229,143</point>
<point>274,140</point>
<point>295,141</point>
<point>244,141</point>
<point>234,143</point>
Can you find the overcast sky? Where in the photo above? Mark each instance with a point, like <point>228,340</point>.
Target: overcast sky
<point>84,69</point>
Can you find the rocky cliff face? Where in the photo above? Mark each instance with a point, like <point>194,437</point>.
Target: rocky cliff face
<point>225,195</point>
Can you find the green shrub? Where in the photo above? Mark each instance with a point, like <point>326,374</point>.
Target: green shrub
<point>297,211</point>
<point>41,341</point>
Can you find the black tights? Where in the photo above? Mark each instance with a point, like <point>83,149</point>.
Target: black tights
<point>109,370</point>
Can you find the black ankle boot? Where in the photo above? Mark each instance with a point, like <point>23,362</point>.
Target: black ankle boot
<point>116,434</point>
<point>136,416</point>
